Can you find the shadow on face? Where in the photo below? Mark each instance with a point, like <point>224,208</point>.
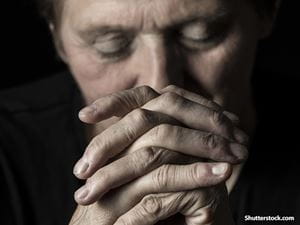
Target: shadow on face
<point>205,46</point>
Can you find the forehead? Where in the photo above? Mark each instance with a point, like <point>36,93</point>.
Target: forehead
<point>145,14</point>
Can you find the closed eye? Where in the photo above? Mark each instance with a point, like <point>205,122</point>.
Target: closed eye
<point>112,45</point>
<point>202,36</point>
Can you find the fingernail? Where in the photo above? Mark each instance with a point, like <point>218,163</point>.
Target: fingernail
<point>220,169</point>
<point>87,111</point>
<point>240,136</point>
<point>239,151</point>
<point>81,167</point>
<point>81,193</point>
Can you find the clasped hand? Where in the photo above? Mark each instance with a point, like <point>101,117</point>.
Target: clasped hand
<point>170,152</point>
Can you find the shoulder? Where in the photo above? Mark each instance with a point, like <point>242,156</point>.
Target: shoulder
<point>40,139</point>
<point>49,92</point>
<point>36,111</point>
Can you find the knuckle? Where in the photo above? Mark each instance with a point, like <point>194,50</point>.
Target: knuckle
<point>121,100</point>
<point>170,97</point>
<point>80,215</point>
<point>218,118</point>
<point>173,88</point>
<point>146,91</point>
<point>174,101</point>
<point>94,148</point>
<point>216,143</point>
<point>151,205</point>
<point>143,116</point>
<point>139,114</point>
<point>142,160</point>
<point>95,144</point>
<point>160,177</point>
<point>212,104</point>
<point>162,131</point>
<point>124,221</point>
<point>211,140</point>
<point>149,156</point>
<point>101,179</point>
<point>221,123</point>
<point>130,134</point>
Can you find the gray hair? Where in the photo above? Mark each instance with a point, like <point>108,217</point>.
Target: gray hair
<point>50,9</point>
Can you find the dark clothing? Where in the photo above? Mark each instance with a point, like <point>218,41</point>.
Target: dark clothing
<point>41,138</point>
<point>270,182</point>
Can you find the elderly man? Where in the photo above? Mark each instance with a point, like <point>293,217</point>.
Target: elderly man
<point>168,103</point>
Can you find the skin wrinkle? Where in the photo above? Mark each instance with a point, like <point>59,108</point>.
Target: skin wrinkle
<point>206,68</point>
<point>151,17</point>
<point>121,69</point>
<point>158,56</point>
<point>207,72</point>
<point>52,10</point>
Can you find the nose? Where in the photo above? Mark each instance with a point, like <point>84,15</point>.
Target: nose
<point>159,63</point>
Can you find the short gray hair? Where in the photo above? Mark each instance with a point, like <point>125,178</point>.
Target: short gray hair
<point>50,9</point>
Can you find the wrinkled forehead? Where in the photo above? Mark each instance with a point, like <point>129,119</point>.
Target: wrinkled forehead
<point>141,14</point>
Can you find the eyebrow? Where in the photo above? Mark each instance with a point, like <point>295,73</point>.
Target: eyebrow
<point>92,31</point>
<point>219,16</point>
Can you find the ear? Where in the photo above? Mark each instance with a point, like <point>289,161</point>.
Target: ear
<point>58,43</point>
<point>267,20</point>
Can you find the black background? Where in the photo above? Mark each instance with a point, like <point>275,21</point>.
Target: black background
<point>28,53</point>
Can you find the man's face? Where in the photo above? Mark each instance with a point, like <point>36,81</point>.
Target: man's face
<point>205,46</point>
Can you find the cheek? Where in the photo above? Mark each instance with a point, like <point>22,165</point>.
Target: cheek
<point>95,77</point>
<point>226,66</point>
